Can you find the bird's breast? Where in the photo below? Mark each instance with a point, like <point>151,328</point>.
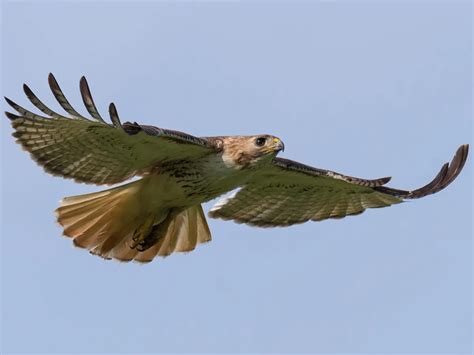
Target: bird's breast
<point>192,182</point>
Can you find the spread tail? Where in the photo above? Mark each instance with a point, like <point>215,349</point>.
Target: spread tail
<point>116,224</point>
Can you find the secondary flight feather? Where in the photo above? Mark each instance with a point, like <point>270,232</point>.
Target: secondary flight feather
<point>161,213</point>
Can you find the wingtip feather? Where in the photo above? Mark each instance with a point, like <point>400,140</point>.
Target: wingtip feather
<point>447,174</point>
<point>114,116</point>
<point>11,116</point>
<point>52,81</point>
<point>10,102</point>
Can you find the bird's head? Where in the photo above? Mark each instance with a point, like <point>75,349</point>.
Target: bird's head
<point>243,151</point>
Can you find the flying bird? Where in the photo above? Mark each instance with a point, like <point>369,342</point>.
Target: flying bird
<point>161,213</point>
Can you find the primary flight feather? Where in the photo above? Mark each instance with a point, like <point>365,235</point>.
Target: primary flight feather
<point>161,213</point>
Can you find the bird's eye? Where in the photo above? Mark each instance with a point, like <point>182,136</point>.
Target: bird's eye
<point>260,141</point>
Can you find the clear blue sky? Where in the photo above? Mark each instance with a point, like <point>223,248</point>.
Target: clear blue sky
<point>368,89</point>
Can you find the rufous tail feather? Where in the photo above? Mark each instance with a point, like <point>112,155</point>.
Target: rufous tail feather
<point>109,223</point>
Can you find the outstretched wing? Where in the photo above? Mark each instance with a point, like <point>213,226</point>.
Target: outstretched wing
<point>288,192</point>
<point>91,150</point>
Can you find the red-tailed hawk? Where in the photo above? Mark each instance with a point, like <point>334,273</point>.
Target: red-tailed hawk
<point>161,213</point>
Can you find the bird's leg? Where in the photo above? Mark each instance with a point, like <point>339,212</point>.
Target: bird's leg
<point>157,232</point>
<point>150,234</point>
<point>141,233</point>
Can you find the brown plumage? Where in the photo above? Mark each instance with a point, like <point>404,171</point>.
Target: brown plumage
<point>161,213</point>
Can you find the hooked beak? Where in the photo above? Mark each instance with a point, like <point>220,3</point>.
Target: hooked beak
<point>279,146</point>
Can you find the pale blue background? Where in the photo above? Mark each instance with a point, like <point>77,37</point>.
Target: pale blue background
<point>369,89</point>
